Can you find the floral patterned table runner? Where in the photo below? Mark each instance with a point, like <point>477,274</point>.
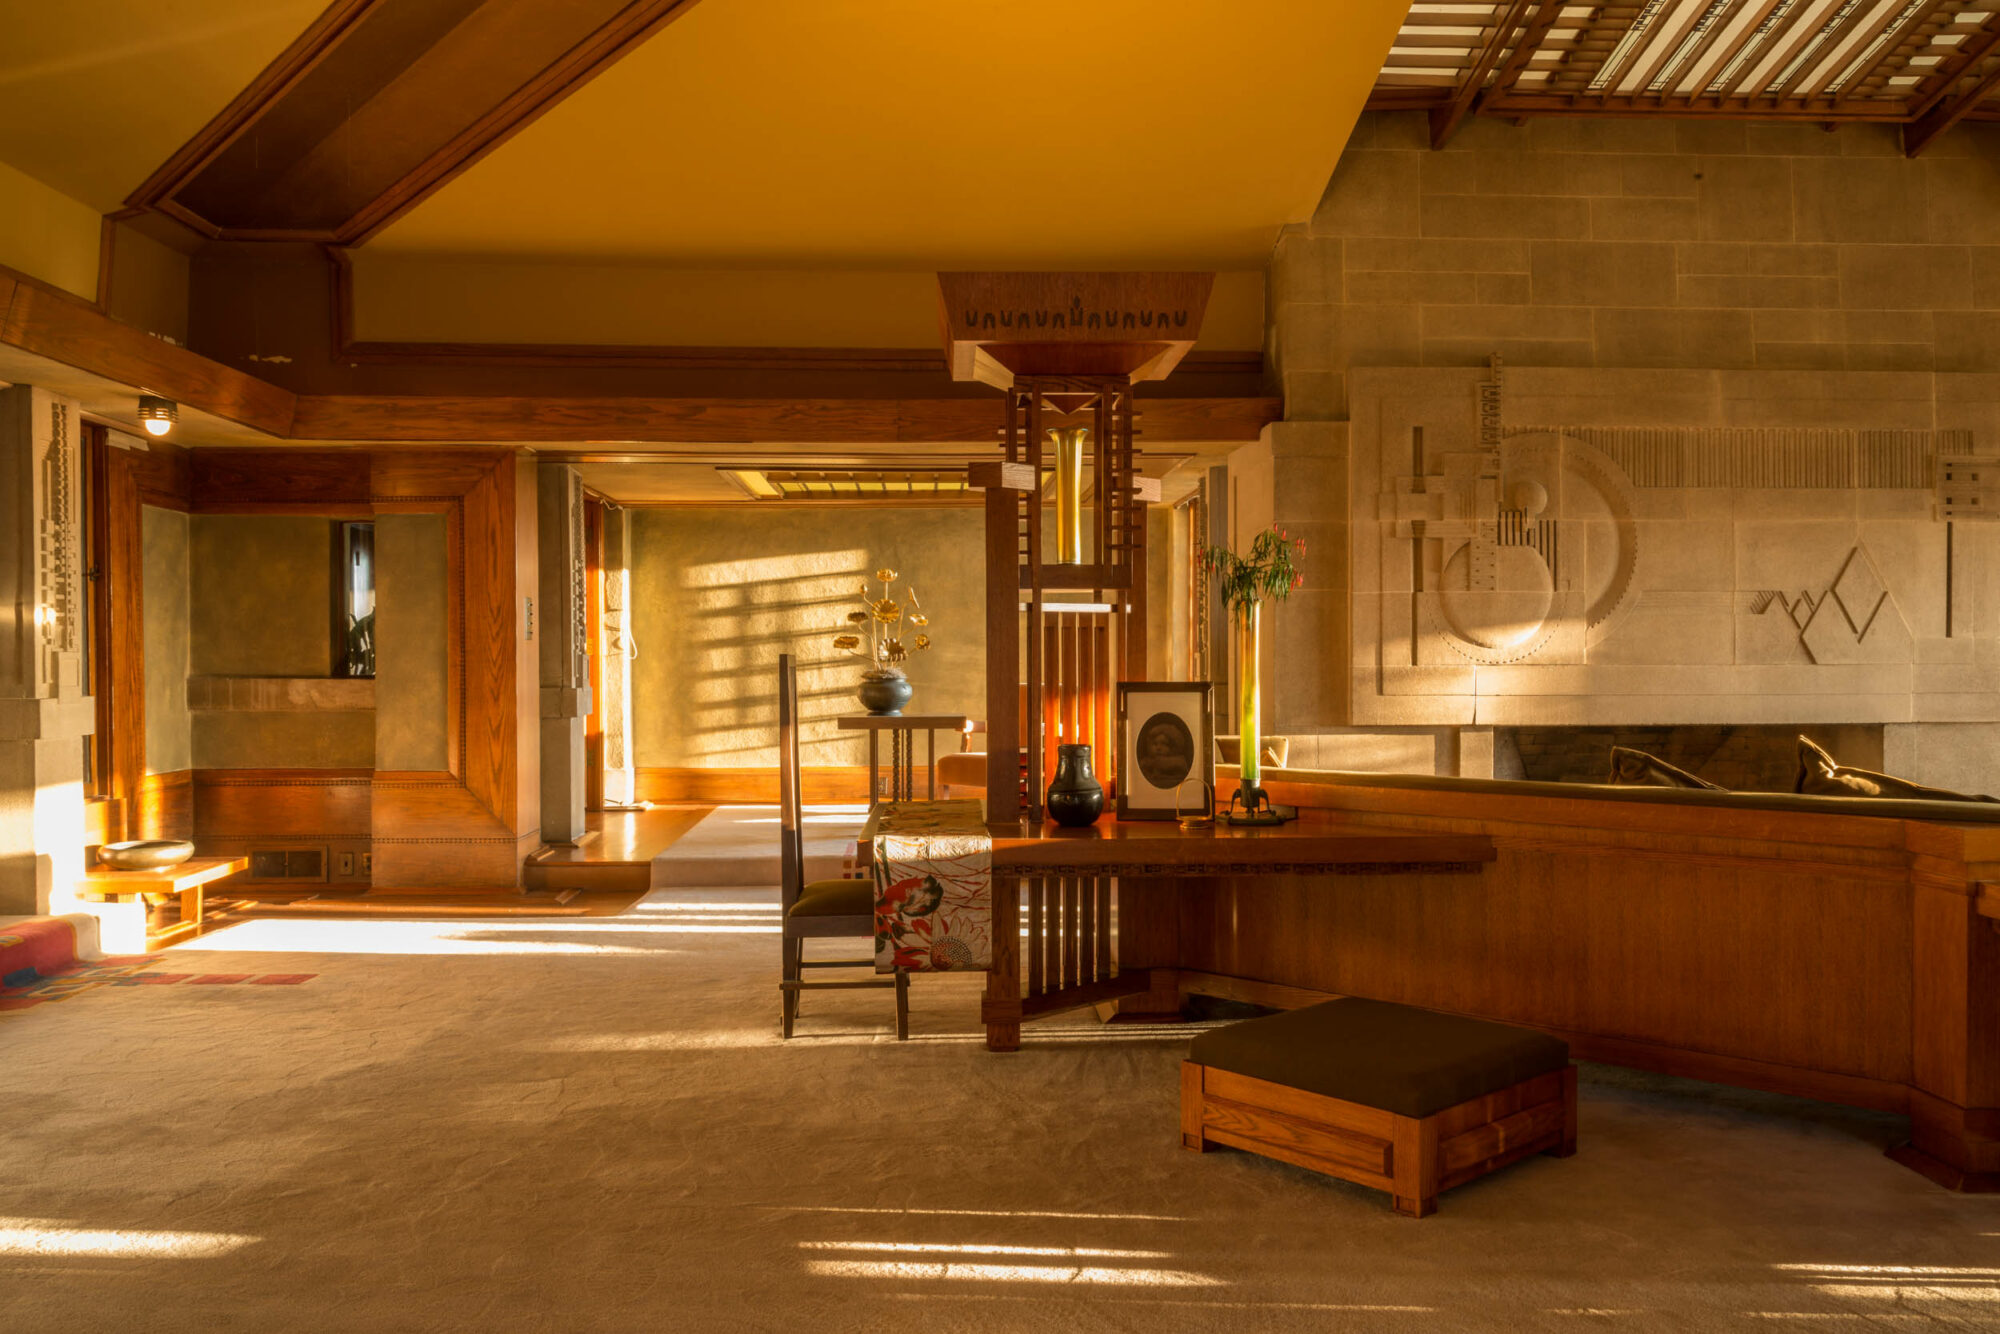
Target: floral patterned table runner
<point>933,887</point>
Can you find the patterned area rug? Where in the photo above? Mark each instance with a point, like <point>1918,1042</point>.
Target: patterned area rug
<point>126,970</point>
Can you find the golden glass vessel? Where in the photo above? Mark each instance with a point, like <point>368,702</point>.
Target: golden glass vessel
<point>1068,444</point>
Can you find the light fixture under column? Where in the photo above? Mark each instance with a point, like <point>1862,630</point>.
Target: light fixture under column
<point>157,414</point>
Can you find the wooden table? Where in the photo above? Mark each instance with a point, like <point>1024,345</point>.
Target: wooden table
<point>187,882</point>
<point>1085,945</point>
<point>902,730</point>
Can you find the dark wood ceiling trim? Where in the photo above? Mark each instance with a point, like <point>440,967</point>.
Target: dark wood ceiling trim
<point>1445,120</point>
<point>1918,134</point>
<point>66,329</point>
<point>69,330</point>
<point>500,420</point>
<point>275,80</point>
<point>562,77</point>
<point>425,87</point>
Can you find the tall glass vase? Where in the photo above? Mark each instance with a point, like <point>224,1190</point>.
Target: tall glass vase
<point>1248,723</point>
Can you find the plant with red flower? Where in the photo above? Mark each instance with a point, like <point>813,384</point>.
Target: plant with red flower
<point>1268,571</point>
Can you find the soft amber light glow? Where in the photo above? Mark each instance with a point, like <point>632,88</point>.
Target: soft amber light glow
<point>47,1237</point>
<point>984,1273</point>
<point>154,426</point>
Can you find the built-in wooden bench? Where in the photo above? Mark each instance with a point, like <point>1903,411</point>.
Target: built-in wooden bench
<point>1404,1100</point>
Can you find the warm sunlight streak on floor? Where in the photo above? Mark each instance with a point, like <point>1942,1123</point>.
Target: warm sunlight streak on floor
<point>946,1248</point>
<point>1901,1283</point>
<point>972,1213</point>
<point>336,936</point>
<point>975,1273</point>
<point>42,1236</point>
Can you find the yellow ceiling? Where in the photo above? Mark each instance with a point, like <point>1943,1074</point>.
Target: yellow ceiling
<point>922,134</point>
<point>94,94</point>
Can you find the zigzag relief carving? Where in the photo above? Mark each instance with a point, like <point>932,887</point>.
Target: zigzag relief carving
<point>1835,627</point>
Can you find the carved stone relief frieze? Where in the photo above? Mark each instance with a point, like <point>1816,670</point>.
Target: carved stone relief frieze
<point>1520,572</point>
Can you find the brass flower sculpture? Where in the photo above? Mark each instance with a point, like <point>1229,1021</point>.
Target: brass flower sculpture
<point>886,646</point>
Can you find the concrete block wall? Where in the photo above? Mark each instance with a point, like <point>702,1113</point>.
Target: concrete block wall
<point>1635,245</point>
<point>1640,243</point>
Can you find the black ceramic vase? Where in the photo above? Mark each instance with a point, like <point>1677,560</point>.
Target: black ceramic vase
<point>884,696</point>
<point>1076,798</point>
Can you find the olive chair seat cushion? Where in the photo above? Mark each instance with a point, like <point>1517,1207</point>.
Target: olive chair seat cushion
<point>1401,1059</point>
<point>836,898</point>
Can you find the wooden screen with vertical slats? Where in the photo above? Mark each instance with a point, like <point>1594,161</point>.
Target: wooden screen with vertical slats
<point>1072,926</point>
<point>1078,673</point>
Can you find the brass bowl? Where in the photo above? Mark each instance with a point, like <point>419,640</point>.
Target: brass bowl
<point>146,854</point>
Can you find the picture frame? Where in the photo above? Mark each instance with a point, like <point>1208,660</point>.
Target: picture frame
<point>1166,742</point>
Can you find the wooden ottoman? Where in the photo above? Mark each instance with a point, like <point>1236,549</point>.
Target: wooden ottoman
<point>1389,1096</point>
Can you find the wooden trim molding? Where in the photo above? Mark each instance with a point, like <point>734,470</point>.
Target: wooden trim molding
<point>509,420</point>
<point>66,329</point>
<point>423,65</point>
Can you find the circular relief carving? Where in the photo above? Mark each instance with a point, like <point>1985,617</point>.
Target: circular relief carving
<point>1507,615</point>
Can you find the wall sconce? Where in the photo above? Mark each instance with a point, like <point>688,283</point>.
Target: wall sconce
<point>157,414</point>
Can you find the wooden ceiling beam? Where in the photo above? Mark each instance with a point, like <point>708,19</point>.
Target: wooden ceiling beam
<point>1822,54</point>
<point>1446,119</point>
<point>1918,134</point>
<point>1750,36</point>
<point>1975,48</point>
<point>531,420</point>
<point>378,105</point>
<point>65,329</point>
<point>1522,55</point>
<point>1897,39</point>
<point>1713,11</point>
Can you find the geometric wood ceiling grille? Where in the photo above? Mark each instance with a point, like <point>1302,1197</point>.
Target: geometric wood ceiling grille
<point>1923,64</point>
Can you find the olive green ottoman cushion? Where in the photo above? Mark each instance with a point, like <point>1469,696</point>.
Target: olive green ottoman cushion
<point>1401,1059</point>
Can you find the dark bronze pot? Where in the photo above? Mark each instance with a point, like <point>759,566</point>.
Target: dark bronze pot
<point>884,696</point>
<point>1076,798</point>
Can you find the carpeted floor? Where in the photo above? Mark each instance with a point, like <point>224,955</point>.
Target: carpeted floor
<point>591,1126</point>
<point>738,845</point>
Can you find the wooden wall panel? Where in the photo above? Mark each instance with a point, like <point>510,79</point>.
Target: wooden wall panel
<point>1646,950</point>
<point>236,481</point>
<point>431,831</point>
<point>166,807</point>
<point>489,655</point>
<point>281,803</point>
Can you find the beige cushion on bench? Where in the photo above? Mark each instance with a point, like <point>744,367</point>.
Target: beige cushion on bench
<point>1396,1057</point>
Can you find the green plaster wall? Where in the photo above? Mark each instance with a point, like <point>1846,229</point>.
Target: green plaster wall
<point>412,604</point>
<point>163,536</point>
<point>260,602</point>
<point>263,590</point>
<point>718,594</point>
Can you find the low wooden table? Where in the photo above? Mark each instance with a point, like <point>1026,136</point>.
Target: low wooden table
<point>902,730</point>
<point>187,882</point>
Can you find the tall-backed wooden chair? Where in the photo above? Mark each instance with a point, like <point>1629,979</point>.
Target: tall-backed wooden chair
<point>824,908</point>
